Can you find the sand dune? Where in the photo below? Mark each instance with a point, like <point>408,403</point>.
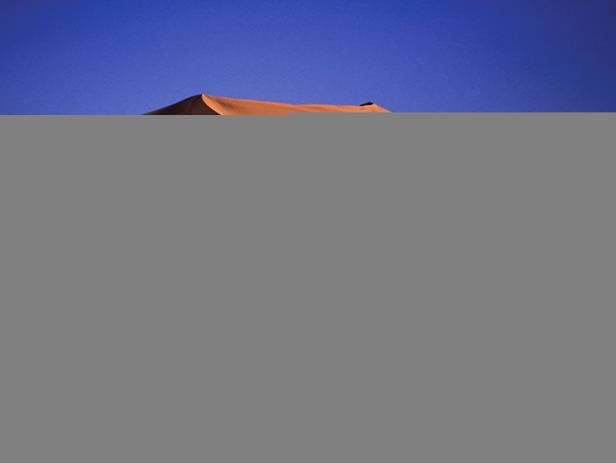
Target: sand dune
<point>223,106</point>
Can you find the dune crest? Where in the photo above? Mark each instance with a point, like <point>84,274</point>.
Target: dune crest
<point>223,106</point>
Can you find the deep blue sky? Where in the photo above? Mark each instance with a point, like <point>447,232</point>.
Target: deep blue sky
<point>128,57</point>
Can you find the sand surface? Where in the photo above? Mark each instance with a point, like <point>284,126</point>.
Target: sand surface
<point>224,106</point>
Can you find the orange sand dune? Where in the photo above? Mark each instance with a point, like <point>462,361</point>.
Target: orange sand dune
<point>223,106</point>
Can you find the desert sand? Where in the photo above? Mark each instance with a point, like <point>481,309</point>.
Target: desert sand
<point>223,106</point>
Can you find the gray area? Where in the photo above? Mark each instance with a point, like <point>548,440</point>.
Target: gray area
<point>423,288</point>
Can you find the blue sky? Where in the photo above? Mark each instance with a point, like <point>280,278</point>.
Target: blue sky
<point>129,57</point>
